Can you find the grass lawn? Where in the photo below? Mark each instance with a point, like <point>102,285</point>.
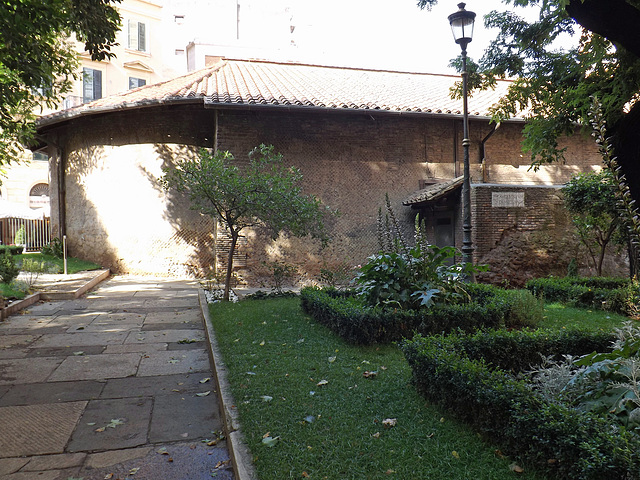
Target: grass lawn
<point>19,289</point>
<point>56,265</point>
<point>557,316</point>
<point>296,382</point>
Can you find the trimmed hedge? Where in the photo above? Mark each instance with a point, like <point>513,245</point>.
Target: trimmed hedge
<point>13,249</point>
<point>568,444</point>
<point>350,318</point>
<point>617,295</point>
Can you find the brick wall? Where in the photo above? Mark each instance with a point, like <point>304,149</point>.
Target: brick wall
<point>118,214</point>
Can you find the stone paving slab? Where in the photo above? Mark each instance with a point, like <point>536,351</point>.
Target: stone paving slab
<point>65,351</point>
<point>80,339</point>
<point>10,465</point>
<point>71,367</point>
<point>180,384</point>
<point>162,336</point>
<point>125,422</point>
<point>106,328</point>
<point>37,429</point>
<point>13,353</point>
<point>114,457</point>
<point>170,363</point>
<point>119,317</point>
<point>182,461</point>
<point>55,462</point>
<point>45,475</point>
<point>96,367</point>
<point>181,316</point>
<point>185,417</point>
<point>27,370</point>
<point>58,392</point>
<point>136,347</point>
<point>10,341</point>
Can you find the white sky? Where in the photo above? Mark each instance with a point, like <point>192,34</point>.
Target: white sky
<point>384,34</point>
<point>389,34</point>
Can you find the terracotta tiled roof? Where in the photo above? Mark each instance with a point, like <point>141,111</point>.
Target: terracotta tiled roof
<point>433,192</point>
<point>243,83</point>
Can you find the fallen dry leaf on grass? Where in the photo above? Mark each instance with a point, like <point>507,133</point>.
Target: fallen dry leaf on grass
<point>390,422</point>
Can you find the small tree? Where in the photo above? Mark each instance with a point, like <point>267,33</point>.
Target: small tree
<point>591,201</point>
<point>266,193</point>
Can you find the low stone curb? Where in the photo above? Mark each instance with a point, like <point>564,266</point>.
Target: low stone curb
<point>15,307</point>
<point>241,457</point>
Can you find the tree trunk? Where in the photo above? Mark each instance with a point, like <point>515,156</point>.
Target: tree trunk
<point>227,280</point>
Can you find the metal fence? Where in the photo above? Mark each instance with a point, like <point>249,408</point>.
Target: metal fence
<point>33,234</point>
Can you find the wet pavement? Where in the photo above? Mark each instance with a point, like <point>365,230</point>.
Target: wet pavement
<point>116,384</point>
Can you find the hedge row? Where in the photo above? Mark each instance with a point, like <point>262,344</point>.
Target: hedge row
<point>13,249</point>
<point>565,443</point>
<point>347,316</point>
<point>617,295</point>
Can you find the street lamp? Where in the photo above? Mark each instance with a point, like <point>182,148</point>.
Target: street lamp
<point>462,27</point>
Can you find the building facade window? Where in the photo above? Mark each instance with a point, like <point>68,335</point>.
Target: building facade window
<point>91,84</point>
<point>137,37</point>
<point>136,82</point>
<point>40,157</point>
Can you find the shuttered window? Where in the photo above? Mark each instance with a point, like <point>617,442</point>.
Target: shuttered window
<point>137,36</point>
<point>91,84</point>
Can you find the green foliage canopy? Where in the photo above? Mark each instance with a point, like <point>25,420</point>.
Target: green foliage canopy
<point>590,199</point>
<point>553,85</point>
<point>265,193</point>
<point>38,61</point>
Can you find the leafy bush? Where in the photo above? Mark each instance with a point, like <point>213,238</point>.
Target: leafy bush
<point>54,248</point>
<point>617,295</point>
<point>567,443</point>
<point>282,274</point>
<point>33,268</point>
<point>606,383</point>
<point>339,276</point>
<point>12,249</point>
<point>8,269</point>
<point>410,277</point>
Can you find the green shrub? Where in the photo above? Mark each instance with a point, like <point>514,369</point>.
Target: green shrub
<point>33,268</point>
<point>566,443</point>
<point>54,248</point>
<point>340,275</point>
<point>282,274</point>
<point>617,295</point>
<point>357,323</point>
<point>8,269</point>
<point>12,249</point>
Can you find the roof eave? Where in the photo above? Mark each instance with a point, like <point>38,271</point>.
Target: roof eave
<point>72,114</point>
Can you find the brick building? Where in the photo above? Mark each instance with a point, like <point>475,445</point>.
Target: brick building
<point>355,134</point>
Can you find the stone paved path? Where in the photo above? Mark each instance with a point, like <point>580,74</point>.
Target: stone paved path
<point>112,385</point>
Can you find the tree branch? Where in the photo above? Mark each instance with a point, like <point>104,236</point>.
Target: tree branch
<point>615,20</point>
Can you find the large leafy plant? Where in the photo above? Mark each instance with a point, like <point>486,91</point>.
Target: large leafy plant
<point>410,277</point>
<point>605,383</point>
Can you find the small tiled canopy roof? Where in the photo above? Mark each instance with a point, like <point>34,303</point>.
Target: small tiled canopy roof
<point>433,192</point>
<point>259,84</point>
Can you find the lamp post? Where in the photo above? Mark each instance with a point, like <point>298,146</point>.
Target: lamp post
<point>462,27</point>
